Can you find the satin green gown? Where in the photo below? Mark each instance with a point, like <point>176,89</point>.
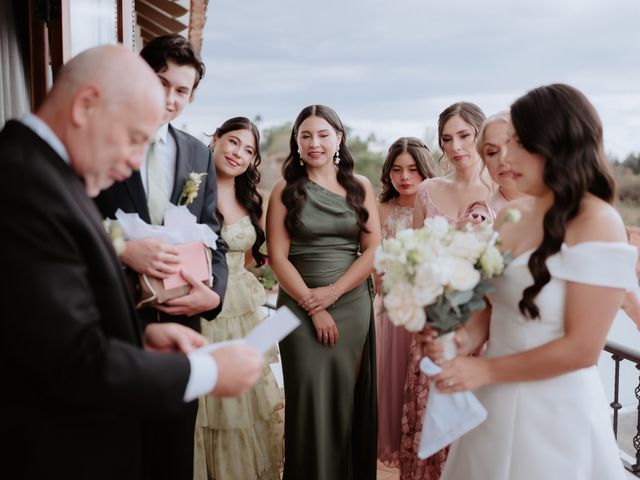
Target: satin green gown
<point>330,393</point>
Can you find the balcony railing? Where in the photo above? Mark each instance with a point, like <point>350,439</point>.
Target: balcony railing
<point>621,353</point>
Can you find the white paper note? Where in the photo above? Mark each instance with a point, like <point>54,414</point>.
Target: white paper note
<point>264,336</point>
<point>273,329</point>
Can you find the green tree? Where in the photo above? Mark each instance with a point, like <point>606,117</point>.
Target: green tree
<point>275,140</point>
<point>368,162</point>
<point>633,162</point>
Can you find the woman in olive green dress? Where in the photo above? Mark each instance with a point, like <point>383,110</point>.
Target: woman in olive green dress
<point>322,232</point>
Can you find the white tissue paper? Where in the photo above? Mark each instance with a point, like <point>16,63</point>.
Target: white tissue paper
<point>180,226</point>
<point>447,416</point>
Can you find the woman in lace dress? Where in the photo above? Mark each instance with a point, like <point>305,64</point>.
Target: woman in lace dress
<point>240,437</point>
<point>448,196</point>
<point>547,412</point>
<point>408,163</point>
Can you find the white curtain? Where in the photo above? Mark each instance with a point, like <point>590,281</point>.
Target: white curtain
<point>92,23</point>
<point>14,97</point>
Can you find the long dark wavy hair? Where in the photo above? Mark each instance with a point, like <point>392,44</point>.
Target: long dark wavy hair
<point>420,154</point>
<point>560,124</point>
<point>246,185</point>
<point>295,173</point>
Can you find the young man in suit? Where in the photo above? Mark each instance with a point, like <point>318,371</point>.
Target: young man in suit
<point>173,155</point>
<point>79,374</point>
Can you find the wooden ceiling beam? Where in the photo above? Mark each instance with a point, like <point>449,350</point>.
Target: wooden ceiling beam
<point>156,16</point>
<point>146,35</point>
<point>172,9</point>
<point>152,27</point>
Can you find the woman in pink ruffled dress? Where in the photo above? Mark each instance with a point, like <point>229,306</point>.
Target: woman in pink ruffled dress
<point>408,163</point>
<point>449,196</point>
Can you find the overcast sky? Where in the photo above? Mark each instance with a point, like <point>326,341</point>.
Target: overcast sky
<point>389,67</point>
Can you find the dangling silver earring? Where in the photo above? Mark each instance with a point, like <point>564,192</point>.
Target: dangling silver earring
<point>300,155</point>
<point>336,158</point>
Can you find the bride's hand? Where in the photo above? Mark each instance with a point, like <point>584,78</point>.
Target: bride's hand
<point>462,374</point>
<point>427,340</point>
<point>432,347</point>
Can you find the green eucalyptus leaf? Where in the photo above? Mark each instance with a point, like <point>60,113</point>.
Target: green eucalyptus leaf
<point>476,304</point>
<point>484,286</point>
<point>458,298</point>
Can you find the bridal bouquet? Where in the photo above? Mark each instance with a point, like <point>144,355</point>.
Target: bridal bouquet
<point>439,274</point>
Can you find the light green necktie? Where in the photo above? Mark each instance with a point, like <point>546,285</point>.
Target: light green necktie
<point>157,188</point>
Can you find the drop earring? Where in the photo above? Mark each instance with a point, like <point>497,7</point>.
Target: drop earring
<point>336,158</point>
<point>300,155</point>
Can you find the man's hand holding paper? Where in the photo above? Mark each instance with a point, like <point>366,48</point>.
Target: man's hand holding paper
<point>239,362</point>
<point>172,337</point>
<point>239,367</point>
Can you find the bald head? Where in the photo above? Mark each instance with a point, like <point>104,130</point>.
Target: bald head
<point>104,106</point>
<point>118,73</point>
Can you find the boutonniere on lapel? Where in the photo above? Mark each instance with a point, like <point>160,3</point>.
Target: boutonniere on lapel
<point>190,189</point>
<point>115,235</point>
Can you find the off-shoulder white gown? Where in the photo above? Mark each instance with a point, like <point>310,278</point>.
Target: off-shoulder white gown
<point>557,428</point>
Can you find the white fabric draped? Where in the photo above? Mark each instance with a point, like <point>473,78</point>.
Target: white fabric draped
<point>14,99</point>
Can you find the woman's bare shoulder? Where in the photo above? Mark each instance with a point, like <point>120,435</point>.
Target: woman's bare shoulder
<point>597,221</point>
<point>278,186</point>
<point>363,180</point>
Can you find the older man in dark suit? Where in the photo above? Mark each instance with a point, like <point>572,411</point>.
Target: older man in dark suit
<point>78,373</point>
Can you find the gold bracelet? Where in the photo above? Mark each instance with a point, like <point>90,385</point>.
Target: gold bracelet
<point>335,293</point>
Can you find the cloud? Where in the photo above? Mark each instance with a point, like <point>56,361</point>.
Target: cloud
<point>390,66</point>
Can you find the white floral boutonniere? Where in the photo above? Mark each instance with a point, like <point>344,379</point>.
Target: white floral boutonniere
<point>190,189</point>
<point>115,235</point>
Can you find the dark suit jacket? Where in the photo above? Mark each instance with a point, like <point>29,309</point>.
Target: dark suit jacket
<point>192,156</point>
<point>76,381</point>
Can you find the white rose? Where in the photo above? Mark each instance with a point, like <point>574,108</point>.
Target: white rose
<point>432,249</point>
<point>484,232</point>
<point>393,246</point>
<point>379,262</point>
<point>402,309</point>
<point>463,275</point>
<point>491,261</point>
<point>466,245</point>
<point>415,256</point>
<point>430,279</point>
<point>393,274</point>
<point>437,227</point>
<point>405,234</point>
<point>119,245</point>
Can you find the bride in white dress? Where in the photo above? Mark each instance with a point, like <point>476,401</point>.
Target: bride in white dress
<point>547,413</point>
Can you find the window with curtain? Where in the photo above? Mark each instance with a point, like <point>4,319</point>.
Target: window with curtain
<point>14,97</point>
<point>92,23</point>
